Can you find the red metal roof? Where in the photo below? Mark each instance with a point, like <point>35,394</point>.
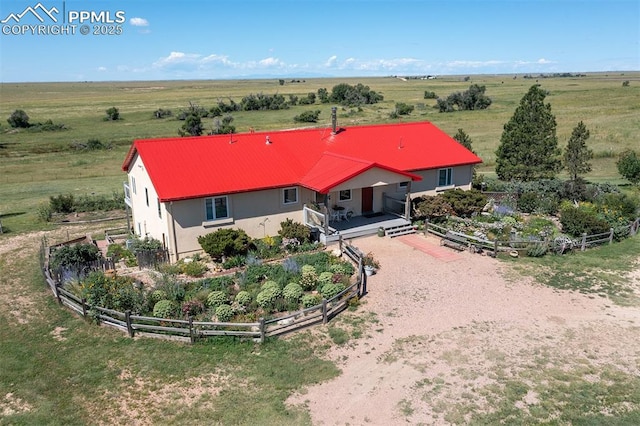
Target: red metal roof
<point>194,167</point>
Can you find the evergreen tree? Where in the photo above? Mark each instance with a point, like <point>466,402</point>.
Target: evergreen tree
<point>577,155</point>
<point>192,126</point>
<point>529,146</point>
<point>463,139</point>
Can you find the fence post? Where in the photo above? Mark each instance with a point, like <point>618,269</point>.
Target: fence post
<point>340,242</point>
<point>262,330</point>
<point>495,248</point>
<point>426,226</point>
<point>127,318</point>
<point>324,311</point>
<point>84,307</point>
<point>191,333</point>
<point>56,292</point>
<point>584,241</point>
<point>610,235</point>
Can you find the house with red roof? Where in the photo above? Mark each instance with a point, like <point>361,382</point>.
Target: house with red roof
<point>336,180</point>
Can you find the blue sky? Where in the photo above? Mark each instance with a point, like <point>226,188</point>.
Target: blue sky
<point>186,39</point>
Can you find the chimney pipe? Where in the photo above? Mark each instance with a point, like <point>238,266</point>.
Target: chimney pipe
<point>334,120</point>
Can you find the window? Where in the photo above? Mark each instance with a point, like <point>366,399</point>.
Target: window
<point>290,195</point>
<point>445,177</point>
<point>133,184</point>
<point>146,196</point>
<point>159,209</point>
<point>216,208</point>
<point>403,185</point>
<point>344,195</point>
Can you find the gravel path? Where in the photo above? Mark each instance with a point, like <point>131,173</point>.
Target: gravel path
<point>458,322</point>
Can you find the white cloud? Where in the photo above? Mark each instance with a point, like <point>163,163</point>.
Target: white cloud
<point>270,62</point>
<point>139,22</point>
<point>101,69</point>
<point>331,61</point>
<point>177,58</point>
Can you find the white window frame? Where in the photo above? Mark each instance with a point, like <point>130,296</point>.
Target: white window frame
<point>448,177</point>
<point>133,185</point>
<point>340,199</point>
<point>146,196</point>
<point>214,215</point>
<point>284,195</point>
<point>402,186</point>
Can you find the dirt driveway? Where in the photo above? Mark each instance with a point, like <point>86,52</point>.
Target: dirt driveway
<point>454,335</point>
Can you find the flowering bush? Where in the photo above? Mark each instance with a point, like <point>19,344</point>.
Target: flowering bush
<point>243,298</point>
<point>216,298</point>
<point>224,313</point>
<point>292,292</point>
<point>164,309</point>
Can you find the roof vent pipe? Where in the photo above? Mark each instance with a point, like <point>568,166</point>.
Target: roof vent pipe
<point>334,120</point>
<point>268,141</point>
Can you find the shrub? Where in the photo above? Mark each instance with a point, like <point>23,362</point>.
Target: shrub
<point>116,293</point>
<point>292,292</point>
<point>164,309</point>
<point>267,297</point>
<point>112,114</point>
<point>194,269</point>
<point>73,255</point>
<point>537,250</point>
<point>465,203</point>
<point>431,207</point>
<point>294,230</point>
<point>403,109</point>
<point>216,298</point>
<point>158,295</point>
<point>243,298</point>
<point>18,119</point>
<point>234,262</point>
<point>224,313</point>
<point>225,242</point>
<point>272,285</point>
<point>162,113</point>
<point>528,202</point>
<point>146,244</point>
<point>61,203</point>
<point>576,220</point>
<point>307,117</point>
<point>192,308</point>
<point>311,300</point>
<point>325,278</point>
<point>330,290</point>
<point>309,278</point>
<point>44,212</point>
<point>217,283</point>
<point>430,95</point>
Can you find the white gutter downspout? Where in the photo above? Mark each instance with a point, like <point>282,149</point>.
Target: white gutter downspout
<point>173,231</point>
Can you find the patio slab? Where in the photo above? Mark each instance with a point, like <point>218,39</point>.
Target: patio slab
<point>429,246</point>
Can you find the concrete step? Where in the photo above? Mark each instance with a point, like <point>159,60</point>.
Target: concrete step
<point>396,231</point>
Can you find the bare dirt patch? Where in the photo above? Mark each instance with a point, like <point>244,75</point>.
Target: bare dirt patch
<point>453,339</point>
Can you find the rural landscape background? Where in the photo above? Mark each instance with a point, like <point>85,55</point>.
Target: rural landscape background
<point>71,377</point>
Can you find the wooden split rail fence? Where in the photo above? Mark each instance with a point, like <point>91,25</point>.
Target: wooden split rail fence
<point>190,330</point>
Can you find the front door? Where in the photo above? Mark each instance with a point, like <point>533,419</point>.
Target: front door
<point>367,200</point>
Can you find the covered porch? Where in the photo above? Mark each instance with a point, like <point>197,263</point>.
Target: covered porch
<point>330,231</point>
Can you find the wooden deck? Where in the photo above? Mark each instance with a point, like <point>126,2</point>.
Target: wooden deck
<point>359,226</point>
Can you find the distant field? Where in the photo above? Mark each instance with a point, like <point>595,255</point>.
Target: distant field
<point>35,165</point>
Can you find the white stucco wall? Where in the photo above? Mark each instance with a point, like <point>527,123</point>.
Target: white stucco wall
<point>146,220</point>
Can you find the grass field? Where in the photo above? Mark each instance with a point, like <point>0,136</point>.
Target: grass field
<point>35,165</point>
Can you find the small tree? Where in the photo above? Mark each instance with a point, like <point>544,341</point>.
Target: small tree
<point>528,147</point>
<point>576,154</point>
<point>192,126</point>
<point>112,114</point>
<point>18,119</point>
<point>629,166</point>
<point>463,139</point>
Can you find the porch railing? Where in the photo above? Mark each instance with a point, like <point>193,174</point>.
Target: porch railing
<point>393,206</point>
<point>314,218</point>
